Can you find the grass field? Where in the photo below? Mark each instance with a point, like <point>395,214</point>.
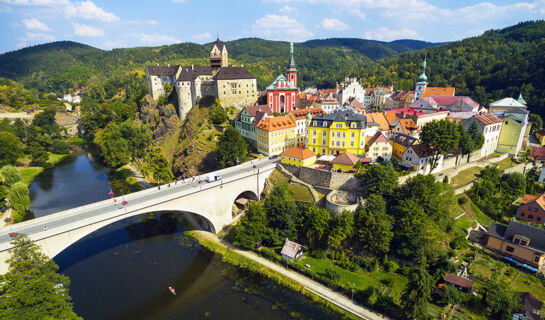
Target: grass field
<point>299,192</point>
<point>28,173</point>
<point>505,163</point>
<point>465,176</point>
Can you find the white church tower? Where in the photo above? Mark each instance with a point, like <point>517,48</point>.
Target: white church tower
<point>422,83</point>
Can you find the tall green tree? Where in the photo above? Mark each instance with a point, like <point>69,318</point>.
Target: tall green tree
<point>374,225</point>
<point>10,174</point>
<point>537,122</point>
<point>46,120</point>
<point>316,224</point>
<point>231,147</point>
<point>282,213</point>
<point>32,288</point>
<point>415,297</point>
<point>341,229</point>
<point>501,301</point>
<point>19,199</point>
<point>156,165</point>
<point>380,179</point>
<point>443,136</point>
<point>476,135</point>
<point>410,229</point>
<point>253,227</point>
<point>10,148</point>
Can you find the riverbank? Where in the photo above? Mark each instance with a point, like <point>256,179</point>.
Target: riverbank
<point>287,278</point>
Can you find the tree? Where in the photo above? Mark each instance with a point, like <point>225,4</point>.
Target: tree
<point>380,179</point>
<point>410,239</point>
<point>476,135</point>
<point>121,143</point>
<point>231,147</point>
<point>341,228</point>
<point>374,226</point>
<point>217,113</point>
<point>60,147</point>
<point>443,136</point>
<point>513,185</point>
<point>10,148</point>
<point>537,122</point>
<point>281,213</point>
<point>502,301</point>
<point>11,174</point>
<point>46,120</point>
<point>252,227</point>
<point>19,199</point>
<point>449,295</point>
<point>316,224</point>
<point>38,155</point>
<point>466,143</point>
<point>156,165</point>
<point>32,288</point>
<point>416,295</point>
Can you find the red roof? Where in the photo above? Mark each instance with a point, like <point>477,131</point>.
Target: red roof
<point>412,112</point>
<point>438,91</point>
<point>538,151</point>
<point>487,119</point>
<point>346,158</point>
<point>459,281</point>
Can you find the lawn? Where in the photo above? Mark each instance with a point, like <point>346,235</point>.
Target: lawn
<point>465,176</point>
<point>28,173</point>
<point>505,163</point>
<point>55,158</point>
<point>361,280</point>
<point>480,216</point>
<point>300,193</point>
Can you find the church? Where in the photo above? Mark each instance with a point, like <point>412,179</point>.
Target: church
<point>234,86</point>
<point>282,93</point>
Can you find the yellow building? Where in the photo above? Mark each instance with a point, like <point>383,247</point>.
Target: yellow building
<point>378,146</point>
<point>298,157</point>
<point>276,135</point>
<point>345,161</point>
<point>338,132</point>
<point>400,143</point>
<point>540,135</point>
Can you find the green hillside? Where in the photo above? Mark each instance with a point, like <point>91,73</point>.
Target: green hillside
<point>497,64</point>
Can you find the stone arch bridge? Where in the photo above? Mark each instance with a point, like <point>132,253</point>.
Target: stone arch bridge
<point>212,201</point>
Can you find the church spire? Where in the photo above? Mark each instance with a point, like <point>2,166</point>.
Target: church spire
<point>291,64</point>
<point>423,78</point>
<point>521,99</point>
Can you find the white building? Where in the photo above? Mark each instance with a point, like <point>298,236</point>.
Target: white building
<point>490,126</point>
<point>350,88</point>
<point>420,157</point>
<point>329,103</point>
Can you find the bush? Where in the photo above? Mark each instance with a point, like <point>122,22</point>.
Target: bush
<point>391,266</point>
<point>348,265</point>
<point>11,174</point>
<point>332,274</point>
<point>60,147</point>
<point>369,264</point>
<point>458,242</point>
<point>270,254</point>
<point>318,254</point>
<point>462,200</point>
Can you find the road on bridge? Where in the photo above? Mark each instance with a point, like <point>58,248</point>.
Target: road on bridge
<point>134,200</point>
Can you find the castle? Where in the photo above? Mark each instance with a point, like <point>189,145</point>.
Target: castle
<point>234,86</point>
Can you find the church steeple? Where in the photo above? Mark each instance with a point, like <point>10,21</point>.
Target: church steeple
<point>422,82</point>
<point>291,71</point>
<point>521,99</point>
<point>423,78</point>
<point>219,57</point>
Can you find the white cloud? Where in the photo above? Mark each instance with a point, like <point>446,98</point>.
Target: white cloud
<point>205,35</point>
<point>385,34</point>
<point>37,36</point>
<point>157,39</point>
<point>89,11</point>
<point>289,10</point>
<point>152,22</point>
<point>358,13</point>
<point>21,44</point>
<point>475,32</point>
<point>277,27</point>
<point>87,31</point>
<point>35,24</point>
<point>334,24</point>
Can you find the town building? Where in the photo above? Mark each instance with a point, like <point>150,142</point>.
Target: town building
<point>291,251</point>
<point>282,93</point>
<point>379,96</point>
<point>300,117</point>
<point>355,105</point>
<point>531,306</point>
<point>490,126</point>
<point>459,282</point>
<point>276,134</point>
<point>350,88</point>
<point>420,157</point>
<point>234,86</point>
<point>448,103</point>
<point>345,161</point>
<point>520,241</point>
<point>298,157</point>
<point>423,91</point>
<point>532,208</point>
<point>247,120</point>
<point>405,126</point>
<point>338,132</point>
<point>380,119</point>
<point>329,103</point>
<point>540,136</point>
<point>515,125</point>
<point>378,146</point>
<point>400,143</point>
<point>538,153</point>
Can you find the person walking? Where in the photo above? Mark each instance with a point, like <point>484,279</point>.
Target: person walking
<point>45,228</point>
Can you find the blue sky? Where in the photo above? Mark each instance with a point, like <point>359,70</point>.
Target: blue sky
<point>130,23</point>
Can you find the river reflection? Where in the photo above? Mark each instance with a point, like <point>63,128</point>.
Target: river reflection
<point>123,271</point>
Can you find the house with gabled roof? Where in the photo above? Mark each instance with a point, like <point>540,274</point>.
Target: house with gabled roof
<point>291,251</point>
<point>400,142</point>
<point>299,157</point>
<point>490,127</point>
<point>282,92</point>
<point>531,306</point>
<point>345,161</point>
<point>328,103</point>
<point>458,282</point>
<point>247,119</point>
<point>276,134</point>
<point>532,208</point>
<point>301,116</point>
<point>378,146</point>
<point>420,157</point>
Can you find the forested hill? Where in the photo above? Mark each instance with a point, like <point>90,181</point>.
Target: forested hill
<point>497,64</point>
<point>62,65</point>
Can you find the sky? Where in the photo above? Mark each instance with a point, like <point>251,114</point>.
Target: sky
<point>130,23</point>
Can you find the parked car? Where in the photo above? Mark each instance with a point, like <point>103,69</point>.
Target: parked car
<point>274,156</point>
<point>212,178</point>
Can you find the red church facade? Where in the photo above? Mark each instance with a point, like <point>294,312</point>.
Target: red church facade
<point>282,93</point>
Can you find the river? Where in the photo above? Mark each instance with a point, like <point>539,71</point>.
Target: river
<point>123,271</point>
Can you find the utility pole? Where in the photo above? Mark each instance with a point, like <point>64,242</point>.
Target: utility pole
<point>352,292</point>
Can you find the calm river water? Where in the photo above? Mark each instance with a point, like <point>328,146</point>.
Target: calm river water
<point>123,271</point>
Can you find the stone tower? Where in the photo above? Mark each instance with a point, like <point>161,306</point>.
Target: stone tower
<point>291,71</point>
<point>422,83</point>
<point>219,57</point>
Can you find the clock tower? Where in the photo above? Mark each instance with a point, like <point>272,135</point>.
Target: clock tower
<point>219,57</point>
<point>422,83</point>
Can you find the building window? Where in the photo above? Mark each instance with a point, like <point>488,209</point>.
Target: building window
<point>314,123</point>
<point>509,249</point>
<point>522,242</point>
<point>536,259</point>
<point>530,216</point>
<point>339,125</point>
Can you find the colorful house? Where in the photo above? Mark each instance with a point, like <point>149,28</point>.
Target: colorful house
<point>276,135</point>
<point>378,146</point>
<point>282,93</point>
<point>512,132</point>
<point>338,132</point>
<point>298,157</point>
<point>420,157</point>
<point>301,116</point>
<point>247,120</point>
<point>345,161</point>
<point>400,143</point>
<point>532,208</point>
<point>540,135</point>
<point>490,126</point>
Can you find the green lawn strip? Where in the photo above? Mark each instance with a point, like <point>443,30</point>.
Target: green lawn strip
<point>29,173</point>
<point>505,163</point>
<point>56,158</point>
<point>480,216</point>
<point>300,193</point>
<point>240,261</point>
<point>76,140</point>
<point>465,176</point>
<point>361,280</point>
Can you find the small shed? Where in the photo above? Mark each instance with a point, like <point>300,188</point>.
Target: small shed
<point>345,161</point>
<point>291,251</point>
<point>461,283</point>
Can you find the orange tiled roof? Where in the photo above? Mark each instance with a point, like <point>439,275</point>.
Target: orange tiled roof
<point>390,116</point>
<point>298,153</point>
<point>276,123</point>
<point>438,91</point>
<point>378,117</point>
<point>346,158</point>
<point>408,125</point>
<point>302,113</point>
<point>540,200</point>
<point>487,118</point>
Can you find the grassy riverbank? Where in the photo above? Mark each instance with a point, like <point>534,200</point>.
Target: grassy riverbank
<point>28,173</point>
<point>240,261</point>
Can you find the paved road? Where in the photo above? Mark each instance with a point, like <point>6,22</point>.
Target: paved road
<point>336,298</point>
<point>135,201</point>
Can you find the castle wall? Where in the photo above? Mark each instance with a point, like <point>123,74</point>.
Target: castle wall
<point>237,93</point>
<point>185,98</point>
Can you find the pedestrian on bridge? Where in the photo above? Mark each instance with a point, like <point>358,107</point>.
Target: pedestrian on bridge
<point>45,228</point>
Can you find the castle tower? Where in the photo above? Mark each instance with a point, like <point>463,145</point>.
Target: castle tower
<point>422,83</point>
<point>291,71</point>
<point>219,57</point>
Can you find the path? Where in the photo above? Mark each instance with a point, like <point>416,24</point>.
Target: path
<point>141,180</point>
<point>335,298</point>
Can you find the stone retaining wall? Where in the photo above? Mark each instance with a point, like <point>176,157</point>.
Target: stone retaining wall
<point>326,179</point>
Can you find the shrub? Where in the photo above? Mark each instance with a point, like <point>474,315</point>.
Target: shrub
<point>11,174</point>
<point>270,254</point>
<point>60,147</point>
<point>458,242</point>
<point>462,200</point>
<point>392,266</point>
<point>369,264</point>
<point>318,254</point>
<point>332,274</point>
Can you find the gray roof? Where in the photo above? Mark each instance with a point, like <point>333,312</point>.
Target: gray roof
<point>291,249</point>
<point>189,73</point>
<point>534,234</point>
<point>233,73</point>
<point>162,70</point>
<point>403,139</point>
<point>342,115</point>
